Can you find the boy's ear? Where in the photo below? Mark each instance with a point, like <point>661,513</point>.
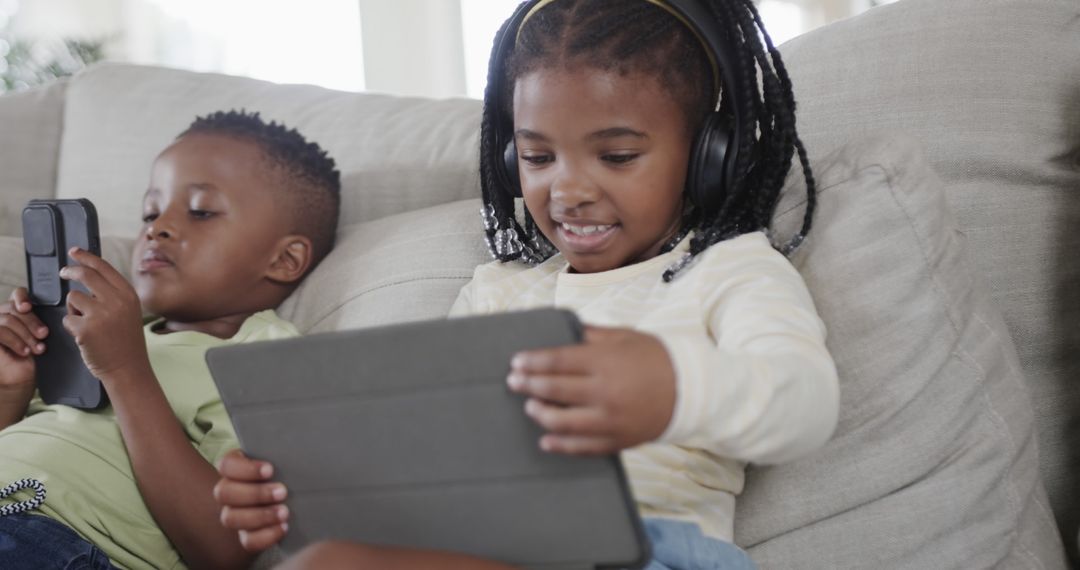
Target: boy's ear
<point>292,260</point>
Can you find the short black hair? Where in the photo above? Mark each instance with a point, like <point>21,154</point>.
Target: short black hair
<point>640,37</point>
<point>307,173</point>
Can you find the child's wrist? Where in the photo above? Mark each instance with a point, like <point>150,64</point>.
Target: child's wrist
<point>133,373</point>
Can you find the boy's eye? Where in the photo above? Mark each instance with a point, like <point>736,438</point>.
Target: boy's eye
<point>147,218</point>
<point>200,214</point>
<point>621,158</point>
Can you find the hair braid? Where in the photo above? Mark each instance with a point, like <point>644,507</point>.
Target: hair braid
<point>639,37</point>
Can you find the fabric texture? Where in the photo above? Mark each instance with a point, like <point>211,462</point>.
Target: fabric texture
<point>395,154</point>
<point>754,381</point>
<point>33,542</point>
<point>400,268</point>
<point>30,132</point>
<point>991,88</point>
<point>80,456</point>
<point>933,463</point>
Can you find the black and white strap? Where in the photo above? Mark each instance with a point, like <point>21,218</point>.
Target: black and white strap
<point>22,506</point>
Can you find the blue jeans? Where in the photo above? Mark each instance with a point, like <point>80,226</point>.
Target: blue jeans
<point>34,542</point>
<point>680,545</point>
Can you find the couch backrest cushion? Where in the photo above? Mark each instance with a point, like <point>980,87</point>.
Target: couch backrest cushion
<point>404,267</point>
<point>933,463</point>
<point>30,127</point>
<point>395,154</point>
<point>991,88</point>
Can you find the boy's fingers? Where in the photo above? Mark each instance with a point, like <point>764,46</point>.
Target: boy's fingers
<point>15,342</point>
<point>21,297</point>
<point>259,540</point>
<point>27,326</point>
<point>254,518</point>
<point>240,494</point>
<point>102,267</point>
<point>235,465</point>
<point>89,276</point>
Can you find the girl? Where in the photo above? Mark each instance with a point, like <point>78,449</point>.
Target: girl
<point>650,163</point>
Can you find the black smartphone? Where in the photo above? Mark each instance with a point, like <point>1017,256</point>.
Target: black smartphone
<point>50,229</point>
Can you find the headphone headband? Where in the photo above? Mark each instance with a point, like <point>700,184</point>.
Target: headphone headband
<point>713,64</point>
<point>715,174</point>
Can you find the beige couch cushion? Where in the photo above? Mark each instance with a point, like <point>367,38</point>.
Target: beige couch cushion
<point>30,126</point>
<point>992,89</point>
<point>395,154</point>
<point>933,462</point>
<point>399,268</point>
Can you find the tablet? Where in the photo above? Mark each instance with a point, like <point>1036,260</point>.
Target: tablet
<point>407,435</point>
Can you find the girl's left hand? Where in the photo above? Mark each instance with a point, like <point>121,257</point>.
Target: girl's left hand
<point>614,391</point>
<point>107,325</point>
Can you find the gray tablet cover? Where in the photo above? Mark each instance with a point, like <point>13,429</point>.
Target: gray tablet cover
<point>407,435</point>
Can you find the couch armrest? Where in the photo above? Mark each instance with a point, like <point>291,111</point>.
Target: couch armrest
<point>32,122</point>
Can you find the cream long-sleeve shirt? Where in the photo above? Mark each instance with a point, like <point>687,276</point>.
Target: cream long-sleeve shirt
<point>754,381</point>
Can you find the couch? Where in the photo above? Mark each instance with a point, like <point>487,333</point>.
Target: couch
<point>945,141</point>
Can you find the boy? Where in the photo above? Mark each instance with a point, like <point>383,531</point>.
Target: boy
<point>237,213</point>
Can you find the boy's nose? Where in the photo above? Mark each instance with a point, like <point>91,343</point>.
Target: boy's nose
<point>158,229</point>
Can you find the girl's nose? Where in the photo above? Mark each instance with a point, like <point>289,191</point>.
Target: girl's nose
<point>571,189</point>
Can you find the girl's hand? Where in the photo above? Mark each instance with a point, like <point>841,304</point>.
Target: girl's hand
<point>250,502</point>
<point>21,333</point>
<point>107,324</point>
<point>614,391</point>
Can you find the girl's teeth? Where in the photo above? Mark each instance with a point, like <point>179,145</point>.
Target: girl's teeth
<point>584,230</point>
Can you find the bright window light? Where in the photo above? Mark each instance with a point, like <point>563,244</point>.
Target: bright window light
<point>285,41</point>
<point>480,21</point>
<point>783,20</point>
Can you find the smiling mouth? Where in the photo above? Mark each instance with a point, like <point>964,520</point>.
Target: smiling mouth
<point>586,238</point>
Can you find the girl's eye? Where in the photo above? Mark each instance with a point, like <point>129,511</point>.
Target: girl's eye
<point>200,214</point>
<point>147,218</point>
<point>621,158</point>
<point>537,159</point>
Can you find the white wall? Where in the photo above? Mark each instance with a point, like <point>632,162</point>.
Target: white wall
<point>413,47</point>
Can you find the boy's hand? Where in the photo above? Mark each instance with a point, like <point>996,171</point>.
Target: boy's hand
<point>614,391</point>
<point>250,502</point>
<point>107,325</point>
<point>20,339</point>
<point>21,335</point>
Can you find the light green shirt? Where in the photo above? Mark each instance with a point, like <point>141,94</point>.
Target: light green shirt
<point>80,456</point>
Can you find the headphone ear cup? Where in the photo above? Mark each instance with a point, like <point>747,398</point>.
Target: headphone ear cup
<point>510,163</point>
<point>708,175</point>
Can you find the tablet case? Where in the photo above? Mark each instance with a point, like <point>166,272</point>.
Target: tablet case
<point>407,435</point>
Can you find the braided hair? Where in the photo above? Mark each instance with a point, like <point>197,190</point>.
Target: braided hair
<point>640,37</point>
<point>305,171</point>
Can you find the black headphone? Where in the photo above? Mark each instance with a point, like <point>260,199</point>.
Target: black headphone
<point>711,171</point>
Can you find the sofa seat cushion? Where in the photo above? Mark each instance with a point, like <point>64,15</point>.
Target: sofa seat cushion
<point>933,463</point>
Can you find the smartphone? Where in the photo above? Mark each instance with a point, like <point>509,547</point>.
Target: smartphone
<point>50,229</point>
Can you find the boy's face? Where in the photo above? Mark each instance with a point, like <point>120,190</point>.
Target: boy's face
<point>603,160</point>
<point>210,230</point>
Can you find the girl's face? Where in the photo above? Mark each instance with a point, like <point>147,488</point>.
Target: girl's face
<point>603,160</point>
